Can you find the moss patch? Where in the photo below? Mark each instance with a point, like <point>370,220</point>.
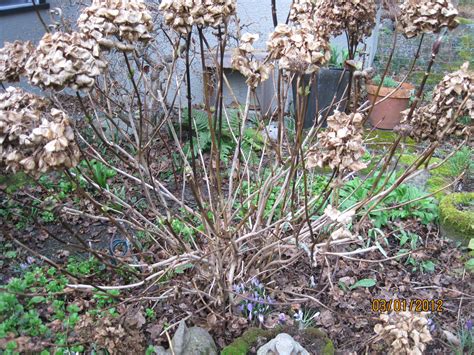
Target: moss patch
<point>465,21</point>
<point>455,223</point>
<point>440,177</point>
<point>313,336</point>
<point>382,138</point>
<point>14,182</point>
<point>243,344</point>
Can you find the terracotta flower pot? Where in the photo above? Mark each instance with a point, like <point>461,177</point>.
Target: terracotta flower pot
<point>387,114</point>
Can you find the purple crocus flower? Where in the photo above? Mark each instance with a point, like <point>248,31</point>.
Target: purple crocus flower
<point>257,283</point>
<point>298,316</point>
<point>469,325</point>
<point>431,325</point>
<point>282,318</point>
<point>250,307</point>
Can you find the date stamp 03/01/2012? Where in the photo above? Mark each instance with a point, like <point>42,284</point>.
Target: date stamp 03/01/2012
<point>381,305</point>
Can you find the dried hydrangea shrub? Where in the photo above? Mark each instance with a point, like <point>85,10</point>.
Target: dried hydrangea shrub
<point>299,49</point>
<point>431,122</point>
<point>65,60</point>
<point>340,145</point>
<point>116,23</point>
<point>356,17</point>
<point>406,333</point>
<point>13,58</point>
<point>244,61</point>
<point>33,137</point>
<point>182,15</point>
<point>426,16</point>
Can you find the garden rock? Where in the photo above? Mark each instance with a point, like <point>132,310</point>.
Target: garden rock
<point>190,341</point>
<point>283,344</point>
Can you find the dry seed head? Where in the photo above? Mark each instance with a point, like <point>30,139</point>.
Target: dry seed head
<point>17,100</point>
<point>33,137</point>
<point>182,15</point>
<point>426,16</point>
<point>340,145</point>
<point>244,61</point>
<point>357,17</point>
<point>117,24</point>
<point>438,118</point>
<point>299,49</point>
<point>341,221</point>
<point>405,333</point>
<point>13,58</point>
<point>301,11</point>
<point>65,60</point>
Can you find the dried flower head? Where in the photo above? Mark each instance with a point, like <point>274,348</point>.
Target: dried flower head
<point>341,222</point>
<point>65,60</point>
<point>404,332</point>
<point>114,333</point>
<point>439,118</point>
<point>301,11</point>
<point>33,137</point>
<point>426,16</point>
<point>299,49</point>
<point>15,99</point>
<point>340,145</point>
<point>182,15</point>
<point>13,57</point>
<point>356,17</point>
<point>244,61</point>
<point>117,23</point>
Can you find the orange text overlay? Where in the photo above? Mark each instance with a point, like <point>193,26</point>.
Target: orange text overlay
<point>402,305</point>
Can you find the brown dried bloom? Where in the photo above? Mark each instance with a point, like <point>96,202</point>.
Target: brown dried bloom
<point>15,99</point>
<point>356,17</point>
<point>299,49</point>
<point>302,10</point>
<point>406,333</point>
<point>34,138</point>
<point>182,15</point>
<point>13,57</point>
<point>426,16</point>
<point>340,145</point>
<point>341,221</point>
<point>65,60</point>
<point>439,118</point>
<point>119,335</point>
<point>244,61</point>
<point>116,23</point>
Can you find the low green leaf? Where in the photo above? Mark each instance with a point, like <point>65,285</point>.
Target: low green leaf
<point>470,265</point>
<point>428,266</point>
<point>10,254</point>
<point>181,269</point>
<point>471,244</point>
<point>37,299</point>
<point>364,283</point>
